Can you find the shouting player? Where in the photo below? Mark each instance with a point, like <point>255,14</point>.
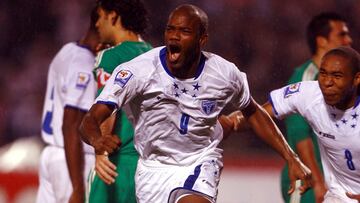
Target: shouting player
<point>174,106</point>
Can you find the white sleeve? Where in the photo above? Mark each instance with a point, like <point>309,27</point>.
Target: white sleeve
<point>241,89</point>
<point>287,100</point>
<point>81,88</point>
<point>122,86</point>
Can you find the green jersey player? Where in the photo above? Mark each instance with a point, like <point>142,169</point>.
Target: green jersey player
<point>118,26</point>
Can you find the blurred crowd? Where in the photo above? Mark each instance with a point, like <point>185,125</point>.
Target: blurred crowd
<point>264,38</point>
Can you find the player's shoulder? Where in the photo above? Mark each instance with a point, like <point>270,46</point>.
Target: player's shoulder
<point>216,60</point>
<point>303,89</point>
<point>223,69</point>
<point>148,61</point>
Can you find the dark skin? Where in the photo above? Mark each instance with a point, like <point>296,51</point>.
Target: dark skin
<point>184,42</point>
<point>72,144</point>
<point>338,83</point>
<point>185,36</point>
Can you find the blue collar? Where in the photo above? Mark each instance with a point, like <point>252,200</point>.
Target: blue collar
<point>163,63</point>
<point>83,46</point>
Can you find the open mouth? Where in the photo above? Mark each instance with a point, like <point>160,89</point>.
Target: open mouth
<point>174,52</point>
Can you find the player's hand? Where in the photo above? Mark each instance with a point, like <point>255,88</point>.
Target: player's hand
<point>353,196</point>
<point>238,119</point>
<point>297,170</point>
<point>106,143</point>
<point>104,168</point>
<point>77,197</point>
<point>319,191</point>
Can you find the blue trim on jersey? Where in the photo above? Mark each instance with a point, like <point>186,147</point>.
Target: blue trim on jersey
<point>357,101</point>
<point>273,106</point>
<point>163,63</point>
<point>83,46</point>
<point>190,181</point>
<point>113,104</point>
<point>76,108</point>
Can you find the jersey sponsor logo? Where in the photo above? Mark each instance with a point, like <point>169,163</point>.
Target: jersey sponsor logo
<point>292,89</point>
<point>82,80</point>
<point>327,135</point>
<point>208,106</point>
<point>122,77</point>
<point>101,77</point>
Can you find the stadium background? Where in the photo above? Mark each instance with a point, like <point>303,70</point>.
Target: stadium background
<point>264,38</point>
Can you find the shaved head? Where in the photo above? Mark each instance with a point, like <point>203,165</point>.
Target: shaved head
<point>196,12</point>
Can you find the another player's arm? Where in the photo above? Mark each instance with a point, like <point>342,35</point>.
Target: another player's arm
<point>231,122</point>
<point>353,196</point>
<point>103,144</point>
<point>74,151</point>
<point>265,128</point>
<point>305,149</point>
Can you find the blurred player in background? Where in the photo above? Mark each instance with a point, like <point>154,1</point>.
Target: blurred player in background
<point>331,107</point>
<point>174,105</point>
<point>120,24</point>
<point>325,31</point>
<point>66,161</point>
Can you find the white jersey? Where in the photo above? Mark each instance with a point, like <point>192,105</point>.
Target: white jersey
<point>338,133</point>
<point>175,119</point>
<point>70,83</point>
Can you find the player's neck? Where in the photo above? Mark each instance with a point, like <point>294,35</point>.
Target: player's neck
<point>348,102</point>
<point>90,40</point>
<point>316,58</point>
<point>126,36</point>
<point>188,70</point>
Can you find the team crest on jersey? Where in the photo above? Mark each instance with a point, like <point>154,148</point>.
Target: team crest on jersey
<point>122,77</point>
<point>208,106</point>
<point>292,89</point>
<point>82,80</point>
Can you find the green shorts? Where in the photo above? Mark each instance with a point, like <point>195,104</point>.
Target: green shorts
<point>307,197</point>
<point>123,190</point>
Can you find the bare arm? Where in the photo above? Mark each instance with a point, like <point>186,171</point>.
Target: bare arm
<point>74,152</point>
<point>305,149</point>
<point>91,133</point>
<point>103,144</point>
<point>354,196</point>
<point>265,128</point>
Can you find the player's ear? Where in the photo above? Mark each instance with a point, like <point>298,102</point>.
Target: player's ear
<point>357,80</point>
<point>203,39</point>
<point>114,17</point>
<point>321,41</point>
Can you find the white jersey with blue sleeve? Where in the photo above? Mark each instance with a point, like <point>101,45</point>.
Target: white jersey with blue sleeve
<point>70,83</point>
<point>175,118</point>
<point>338,134</point>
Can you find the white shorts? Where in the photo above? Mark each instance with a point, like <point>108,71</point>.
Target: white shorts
<point>167,183</point>
<point>54,181</point>
<point>331,197</point>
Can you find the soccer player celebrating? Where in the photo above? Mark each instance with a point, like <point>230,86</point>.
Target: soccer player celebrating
<point>331,107</point>
<point>174,106</point>
<point>120,24</point>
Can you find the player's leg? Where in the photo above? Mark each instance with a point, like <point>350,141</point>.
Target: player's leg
<point>192,198</point>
